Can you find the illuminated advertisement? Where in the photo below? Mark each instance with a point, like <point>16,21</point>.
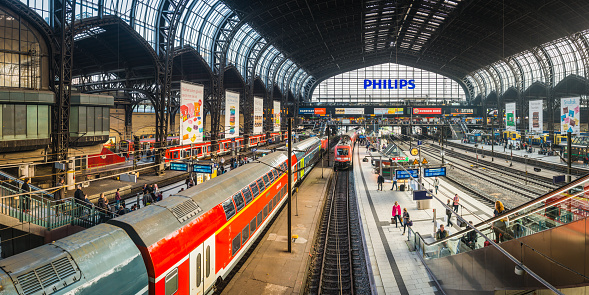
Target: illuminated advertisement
<point>276,116</point>
<point>388,111</point>
<point>191,98</point>
<point>427,111</point>
<point>510,116</point>
<point>462,111</point>
<point>535,116</point>
<point>258,115</point>
<point>389,84</point>
<point>570,115</point>
<point>349,111</point>
<point>312,111</point>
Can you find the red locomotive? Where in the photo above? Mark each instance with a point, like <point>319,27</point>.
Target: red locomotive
<point>344,149</point>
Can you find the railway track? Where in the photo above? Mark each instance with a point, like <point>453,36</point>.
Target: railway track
<point>336,255</point>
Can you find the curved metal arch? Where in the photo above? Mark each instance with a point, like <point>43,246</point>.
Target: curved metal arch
<point>272,68</point>
<point>185,20</point>
<point>192,50</point>
<point>298,71</point>
<point>220,45</point>
<point>581,46</point>
<point>480,85</point>
<point>284,86</point>
<point>300,84</point>
<point>234,68</point>
<point>250,71</point>
<point>277,68</point>
<point>34,20</point>
<point>309,87</point>
<point>544,63</point>
<point>198,45</point>
<point>257,59</point>
<point>517,70</point>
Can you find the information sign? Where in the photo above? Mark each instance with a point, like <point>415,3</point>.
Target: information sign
<point>179,166</point>
<point>419,142</point>
<point>421,195</point>
<point>434,172</point>
<point>202,169</point>
<point>402,174</point>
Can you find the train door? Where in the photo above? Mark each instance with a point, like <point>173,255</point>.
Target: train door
<point>196,271</point>
<point>202,267</point>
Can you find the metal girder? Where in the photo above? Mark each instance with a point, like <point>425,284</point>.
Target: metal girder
<point>308,88</point>
<point>62,21</point>
<point>169,14</point>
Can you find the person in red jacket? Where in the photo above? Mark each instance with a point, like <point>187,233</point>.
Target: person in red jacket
<point>397,214</point>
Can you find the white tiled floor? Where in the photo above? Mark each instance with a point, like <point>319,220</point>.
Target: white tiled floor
<point>412,271</point>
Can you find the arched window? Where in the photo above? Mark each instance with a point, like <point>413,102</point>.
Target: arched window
<point>22,56</point>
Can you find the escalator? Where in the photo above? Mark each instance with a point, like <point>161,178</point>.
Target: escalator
<point>538,245</point>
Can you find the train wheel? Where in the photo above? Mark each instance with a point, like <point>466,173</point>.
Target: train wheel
<point>218,284</point>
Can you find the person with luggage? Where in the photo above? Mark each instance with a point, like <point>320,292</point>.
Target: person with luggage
<point>406,220</point>
<point>397,215</point>
<point>379,181</point>
<point>449,214</point>
<point>394,183</point>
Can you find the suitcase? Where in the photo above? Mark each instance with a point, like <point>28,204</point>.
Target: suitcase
<point>402,187</point>
<point>460,222</point>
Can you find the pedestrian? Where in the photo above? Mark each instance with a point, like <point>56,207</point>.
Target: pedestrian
<point>59,195</point>
<point>102,202</point>
<point>145,189</point>
<point>470,238</point>
<point>26,198</point>
<point>134,207</point>
<point>456,199</point>
<point>79,195</point>
<point>380,181</point>
<point>188,181</point>
<point>499,226</point>
<point>406,220</point>
<point>436,184</point>
<point>117,199</point>
<point>394,183</point>
<point>397,215</point>
<point>441,233</point>
<point>449,214</point>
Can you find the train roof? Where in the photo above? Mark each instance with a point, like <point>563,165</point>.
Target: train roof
<point>153,223</point>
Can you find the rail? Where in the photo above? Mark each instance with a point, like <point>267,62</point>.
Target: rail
<point>8,177</point>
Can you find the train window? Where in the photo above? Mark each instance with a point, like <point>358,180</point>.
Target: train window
<point>198,269</point>
<point>208,261</point>
<point>175,155</point>
<point>245,234</point>
<point>254,189</point>
<point>342,152</point>
<point>247,195</point>
<point>229,209</point>
<point>260,218</point>
<point>275,173</point>
<point>266,180</point>
<point>271,177</point>
<point>252,226</point>
<point>265,211</point>
<point>239,203</point>
<point>261,185</point>
<point>236,244</point>
<point>198,151</point>
<point>172,282</point>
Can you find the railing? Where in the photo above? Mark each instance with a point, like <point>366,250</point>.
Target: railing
<point>48,213</point>
<point>19,182</point>
<point>560,207</point>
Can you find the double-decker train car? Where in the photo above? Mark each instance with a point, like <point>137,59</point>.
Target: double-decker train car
<point>344,150</point>
<point>184,244</point>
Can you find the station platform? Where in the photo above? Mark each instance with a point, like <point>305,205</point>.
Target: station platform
<point>270,269</point>
<point>396,269</point>
<point>520,153</point>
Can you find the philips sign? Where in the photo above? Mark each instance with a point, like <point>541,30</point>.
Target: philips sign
<point>389,84</point>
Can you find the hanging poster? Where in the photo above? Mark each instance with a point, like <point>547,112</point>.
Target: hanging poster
<point>510,116</point>
<point>276,117</point>
<point>535,118</point>
<point>258,115</point>
<point>191,121</point>
<point>231,114</point>
<point>570,115</point>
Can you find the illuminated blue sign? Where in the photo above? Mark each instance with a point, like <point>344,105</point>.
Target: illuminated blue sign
<point>203,169</point>
<point>389,84</point>
<point>433,172</point>
<point>402,174</point>
<point>179,166</point>
<point>306,111</point>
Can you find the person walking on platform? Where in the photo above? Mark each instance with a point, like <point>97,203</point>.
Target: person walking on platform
<point>117,199</point>
<point>436,184</point>
<point>499,227</point>
<point>397,215</point>
<point>379,181</point>
<point>79,195</point>
<point>59,196</point>
<point>456,200</point>
<point>406,220</point>
<point>394,183</point>
<point>449,214</point>
<point>26,198</point>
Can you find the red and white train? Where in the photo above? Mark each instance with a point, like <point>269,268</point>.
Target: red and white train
<point>184,244</point>
<point>344,150</point>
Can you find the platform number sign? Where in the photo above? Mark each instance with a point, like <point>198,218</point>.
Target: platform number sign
<point>419,142</point>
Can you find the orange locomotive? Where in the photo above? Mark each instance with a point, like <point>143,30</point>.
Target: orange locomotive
<point>344,149</point>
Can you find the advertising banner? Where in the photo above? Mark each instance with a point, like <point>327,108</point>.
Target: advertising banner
<point>349,111</point>
<point>570,115</point>
<point>535,118</point>
<point>312,111</point>
<point>427,111</point>
<point>276,117</point>
<point>510,116</point>
<point>258,115</point>
<point>388,111</point>
<point>191,121</point>
<point>231,114</point>
<point>462,111</point>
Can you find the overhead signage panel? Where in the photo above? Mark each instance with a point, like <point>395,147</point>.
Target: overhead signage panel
<point>349,111</point>
<point>389,84</point>
<point>427,111</point>
<point>178,166</point>
<point>202,169</point>
<point>312,111</point>
<point>434,172</point>
<point>402,174</point>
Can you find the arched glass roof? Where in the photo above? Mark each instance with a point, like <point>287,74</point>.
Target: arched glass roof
<point>198,27</point>
<point>354,85</point>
